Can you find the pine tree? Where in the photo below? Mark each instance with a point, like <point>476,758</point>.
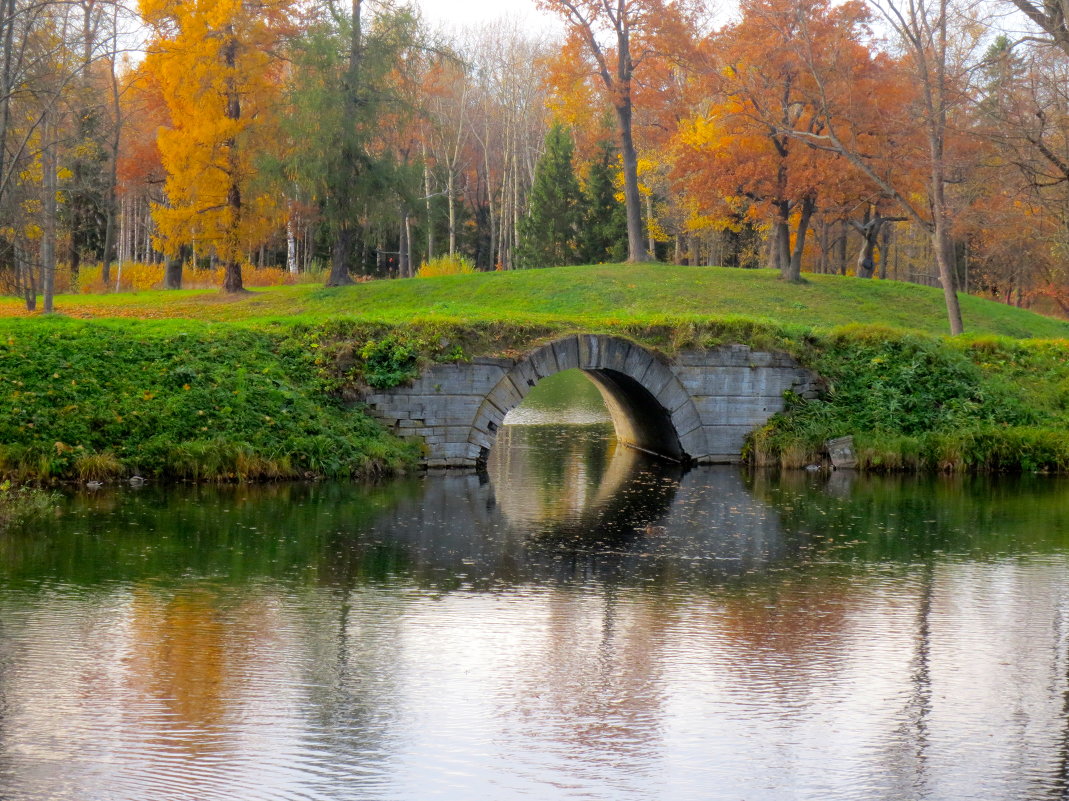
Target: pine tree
<point>603,237</point>
<point>549,233</point>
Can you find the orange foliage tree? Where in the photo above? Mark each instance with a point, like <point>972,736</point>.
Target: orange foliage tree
<point>756,92</point>
<point>213,63</point>
<point>612,41</point>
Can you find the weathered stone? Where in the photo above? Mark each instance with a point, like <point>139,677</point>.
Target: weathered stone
<point>841,452</point>
<point>567,352</point>
<point>708,400</point>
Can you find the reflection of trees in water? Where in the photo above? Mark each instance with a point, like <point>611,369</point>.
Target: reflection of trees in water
<point>906,517</point>
<point>593,692</point>
<point>187,659</point>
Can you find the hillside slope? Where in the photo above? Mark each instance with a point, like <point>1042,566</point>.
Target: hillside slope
<point>604,294</point>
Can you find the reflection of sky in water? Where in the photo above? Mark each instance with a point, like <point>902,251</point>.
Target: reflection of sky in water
<point>707,635</point>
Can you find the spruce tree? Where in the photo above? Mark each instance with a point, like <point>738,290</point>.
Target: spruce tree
<point>604,229</point>
<point>549,233</point>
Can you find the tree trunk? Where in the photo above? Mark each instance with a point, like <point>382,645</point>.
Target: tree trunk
<point>843,244</point>
<point>651,242</point>
<point>636,247</point>
<point>451,201</point>
<point>941,244</point>
<point>291,244</point>
<point>772,263</point>
<point>404,258</point>
<point>782,233</point>
<point>341,253</point>
<point>427,203</point>
<point>48,236</point>
<point>27,283</point>
<point>794,268</point>
<point>172,272</point>
<point>232,282</point>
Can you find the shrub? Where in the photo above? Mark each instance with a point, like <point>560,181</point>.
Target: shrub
<point>446,265</point>
<point>24,503</point>
<point>389,362</point>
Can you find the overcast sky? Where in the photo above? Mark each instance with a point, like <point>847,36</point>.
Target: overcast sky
<point>464,13</point>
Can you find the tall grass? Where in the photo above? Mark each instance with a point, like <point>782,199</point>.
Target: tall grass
<point>141,277</point>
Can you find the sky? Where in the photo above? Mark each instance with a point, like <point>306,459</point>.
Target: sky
<point>465,13</point>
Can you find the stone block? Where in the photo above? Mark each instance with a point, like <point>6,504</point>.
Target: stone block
<point>673,396</point>
<point>505,396</point>
<point>615,352</point>
<point>686,419</point>
<point>544,362</point>
<point>457,450</point>
<point>566,352</point>
<point>524,376</point>
<point>694,379</point>
<point>488,418</point>
<point>723,440</point>
<point>480,439</point>
<point>457,433</point>
<point>658,379</point>
<point>637,363</point>
<point>737,411</point>
<point>589,351</point>
<point>842,454</point>
<point>494,361</point>
<point>694,443</point>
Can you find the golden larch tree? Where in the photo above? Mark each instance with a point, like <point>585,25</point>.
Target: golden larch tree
<point>214,63</point>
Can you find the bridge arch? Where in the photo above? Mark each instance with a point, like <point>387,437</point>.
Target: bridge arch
<point>698,406</point>
<point>649,407</point>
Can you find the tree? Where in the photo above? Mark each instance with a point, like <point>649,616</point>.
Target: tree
<point>740,146</point>
<point>344,129</point>
<point>549,233</point>
<point>1052,16</point>
<point>618,37</point>
<point>215,65</point>
<point>604,221</point>
<point>935,68</point>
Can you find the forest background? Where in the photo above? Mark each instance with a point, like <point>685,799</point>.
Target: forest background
<point>236,143</point>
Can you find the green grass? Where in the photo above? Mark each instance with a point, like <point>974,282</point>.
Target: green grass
<point>101,400</point>
<point>597,295</point>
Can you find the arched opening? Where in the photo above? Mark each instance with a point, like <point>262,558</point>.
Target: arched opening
<point>567,460</point>
<point>649,408</point>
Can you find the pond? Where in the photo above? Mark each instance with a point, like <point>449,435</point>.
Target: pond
<point>580,621</point>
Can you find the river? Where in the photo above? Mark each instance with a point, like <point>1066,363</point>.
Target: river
<point>579,622</point>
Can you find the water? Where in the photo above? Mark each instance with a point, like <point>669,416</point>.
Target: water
<point>581,623</point>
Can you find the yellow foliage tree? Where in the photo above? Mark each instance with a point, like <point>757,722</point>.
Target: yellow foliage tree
<point>213,62</point>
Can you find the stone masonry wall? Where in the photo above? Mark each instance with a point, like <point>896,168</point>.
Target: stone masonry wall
<point>714,397</point>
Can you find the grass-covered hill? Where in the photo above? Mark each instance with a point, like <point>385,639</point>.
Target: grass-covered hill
<point>197,385</point>
<point>602,294</point>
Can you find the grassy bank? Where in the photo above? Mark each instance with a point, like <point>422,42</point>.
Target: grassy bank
<point>642,294</point>
<point>177,394</point>
<point>913,402</point>
<point>95,401</point>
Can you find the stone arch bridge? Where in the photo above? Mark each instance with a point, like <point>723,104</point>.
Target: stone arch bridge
<point>697,407</point>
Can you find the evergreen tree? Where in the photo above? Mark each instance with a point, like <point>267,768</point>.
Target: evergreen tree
<point>344,94</point>
<point>549,233</point>
<point>604,233</point>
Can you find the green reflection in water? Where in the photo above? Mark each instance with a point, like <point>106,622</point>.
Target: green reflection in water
<point>227,533</point>
<point>902,518</point>
<point>567,398</point>
<point>555,506</point>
